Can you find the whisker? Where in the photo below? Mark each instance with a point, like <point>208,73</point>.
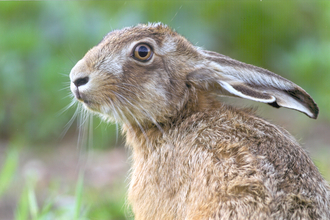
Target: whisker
<point>85,116</point>
<point>176,13</point>
<point>90,133</point>
<point>138,88</point>
<point>126,100</point>
<point>66,107</point>
<point>82,139</point>
<point>114,112</point>
<point>128,84</point>
<point>64,88</point>
<point>66,83</point>
<point>140,126</point>
<point>64,74</point>
<point>98,124</point>
<point>80,124</point>
<point>115,115</point>
<point>70,95</point>
<point>125,120</point>
<point>152,119</point>
<point>69,123</point>
<point>126,89</point>
<point>143,111</point>
<point>71,55</point>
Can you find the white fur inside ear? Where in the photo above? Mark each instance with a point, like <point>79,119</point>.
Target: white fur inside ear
<point>289,102</point>
<point>235,92</point>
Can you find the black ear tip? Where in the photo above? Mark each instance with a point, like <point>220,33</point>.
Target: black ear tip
<point>304,98</point>
<point>315,112</point>
<point>312,107</point>
<point>274,104</point>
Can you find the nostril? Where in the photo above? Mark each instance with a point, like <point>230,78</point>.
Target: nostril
<point>81,81</point>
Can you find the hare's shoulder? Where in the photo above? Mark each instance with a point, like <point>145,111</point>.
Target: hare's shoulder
<point>250,144</point>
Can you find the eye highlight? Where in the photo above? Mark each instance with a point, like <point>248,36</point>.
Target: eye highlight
<point>142,52</point>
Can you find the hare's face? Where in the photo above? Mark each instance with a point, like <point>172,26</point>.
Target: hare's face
<point>135,74</point>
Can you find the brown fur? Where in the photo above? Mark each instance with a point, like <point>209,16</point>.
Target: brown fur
<point>194,157</point>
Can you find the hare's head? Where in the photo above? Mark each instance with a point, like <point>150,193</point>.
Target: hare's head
<point>149,73</point>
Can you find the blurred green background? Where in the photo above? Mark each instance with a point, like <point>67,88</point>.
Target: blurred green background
<point>41,41</point>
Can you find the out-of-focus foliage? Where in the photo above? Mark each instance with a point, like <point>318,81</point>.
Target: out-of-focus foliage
<point>41,41</point>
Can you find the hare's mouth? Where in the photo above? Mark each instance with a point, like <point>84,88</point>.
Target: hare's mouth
<point>78,95</point>
<point>81,97</point>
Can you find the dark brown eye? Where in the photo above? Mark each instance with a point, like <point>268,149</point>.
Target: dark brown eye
<point>142,52</point>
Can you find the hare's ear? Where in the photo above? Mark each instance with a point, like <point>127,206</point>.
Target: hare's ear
<point>230,77</point>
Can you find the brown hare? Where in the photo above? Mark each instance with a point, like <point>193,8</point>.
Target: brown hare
<point>193,156</point>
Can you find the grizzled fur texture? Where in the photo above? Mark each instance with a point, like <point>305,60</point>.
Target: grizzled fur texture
<point>194,157</point>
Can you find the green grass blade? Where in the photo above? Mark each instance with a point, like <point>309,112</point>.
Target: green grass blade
<point>78,196</point>
<point>32,200</point>
<point>22,209</point>
<point>8,170</point>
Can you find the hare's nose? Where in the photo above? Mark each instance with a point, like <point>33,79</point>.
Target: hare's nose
<point>81,81</point>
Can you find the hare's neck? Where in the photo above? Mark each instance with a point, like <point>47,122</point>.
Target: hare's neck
<point>145,137</point>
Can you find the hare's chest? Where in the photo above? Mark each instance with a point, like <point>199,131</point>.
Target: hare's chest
<point>159,185</point>
<point>169,183</point>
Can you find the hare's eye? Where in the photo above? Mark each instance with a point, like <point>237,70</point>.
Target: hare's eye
<point>142,52</point>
